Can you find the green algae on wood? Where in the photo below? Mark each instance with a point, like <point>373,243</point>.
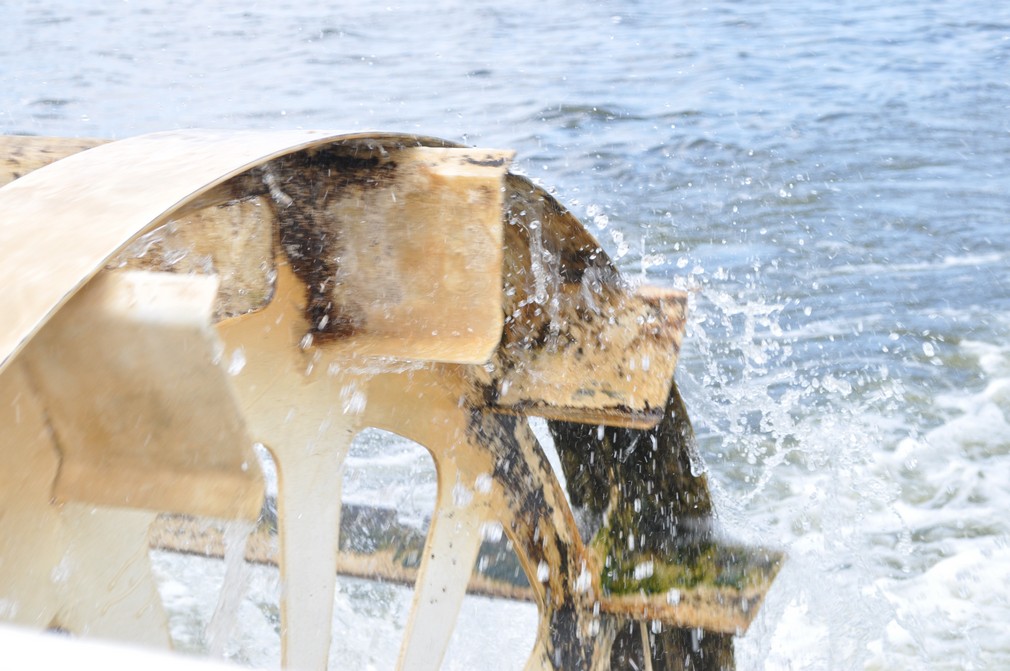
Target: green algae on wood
<point>728,567</point>
<point>641,498</point>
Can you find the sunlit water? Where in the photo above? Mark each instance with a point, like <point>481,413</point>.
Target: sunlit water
<point>831,180</point>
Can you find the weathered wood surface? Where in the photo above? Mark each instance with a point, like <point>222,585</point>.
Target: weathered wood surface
<point>715,588</point>
<point>579,344</point>
<point>374,545</point>
<point>647,513</point>
<point>143,414</point>
<point>565,307</point>
<point>22,154</point>
<point>322,339</point>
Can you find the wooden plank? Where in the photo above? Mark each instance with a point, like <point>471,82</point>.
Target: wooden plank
<point>95,202</point>
<point>606,360</point>
<point>579,343</point>
<point>22,154</point>
<point>76,568</point>
<point>138,402</point>
<point>375,545</point>
<point>400,248</point>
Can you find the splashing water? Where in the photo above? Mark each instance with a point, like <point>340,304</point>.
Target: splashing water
<point>236,584</point>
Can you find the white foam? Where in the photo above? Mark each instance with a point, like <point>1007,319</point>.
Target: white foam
<point>960,261</point>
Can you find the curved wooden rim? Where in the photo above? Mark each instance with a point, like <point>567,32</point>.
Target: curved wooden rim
<point>60,224</point>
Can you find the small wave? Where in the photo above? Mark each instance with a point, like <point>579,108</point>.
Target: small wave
<point>994,360</point>
<point>575,116</point>
<point>969,260</point>
<point>52,102</point>
<point>961,598</point>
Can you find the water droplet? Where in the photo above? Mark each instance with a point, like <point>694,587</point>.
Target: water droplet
<point>491,531</point>
<point>461,495</point>
<point>483,483</point>
<point>584,581</point>
<point>237,362</point>
<point>644,570</point>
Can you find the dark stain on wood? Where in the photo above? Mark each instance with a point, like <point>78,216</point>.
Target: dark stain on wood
<point>628,483</point>
<point>535,532</point>
<point>302,186</point>
<point>486,163</point>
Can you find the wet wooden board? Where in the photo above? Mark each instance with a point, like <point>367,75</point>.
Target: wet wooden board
<point>374,545</point>
<point>400,247</point>
<point>579,344</point>
<point>97,201</point>
<point>603,360</point>
<point>130,376</point>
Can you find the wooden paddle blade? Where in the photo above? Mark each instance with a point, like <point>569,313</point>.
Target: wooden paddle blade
<point>143,413</point>
<point>400,249</point>
<point>579,343</point>
<point>603,359</point>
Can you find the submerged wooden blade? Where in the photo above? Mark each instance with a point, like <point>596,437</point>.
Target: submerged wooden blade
<point>720,591</point>
<point>645,504</point>
<point>579,343</point>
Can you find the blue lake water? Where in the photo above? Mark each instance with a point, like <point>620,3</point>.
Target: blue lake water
<point>830,179</point>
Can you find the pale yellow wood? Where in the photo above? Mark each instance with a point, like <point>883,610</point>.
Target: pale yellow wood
<point>232,240</point>
<point>290,386</point>
<point>31,532</point>
<point>96,201</point>
<point>400,248</point>
<point>110,591</point>
<point>605,357</point>
<point>453,542</point>
<point>138,401</point>
<point>298,416</point>
<point>308,513</point>
<point>75,568</point>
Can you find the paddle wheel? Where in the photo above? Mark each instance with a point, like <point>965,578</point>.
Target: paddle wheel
<point>173,299</point>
